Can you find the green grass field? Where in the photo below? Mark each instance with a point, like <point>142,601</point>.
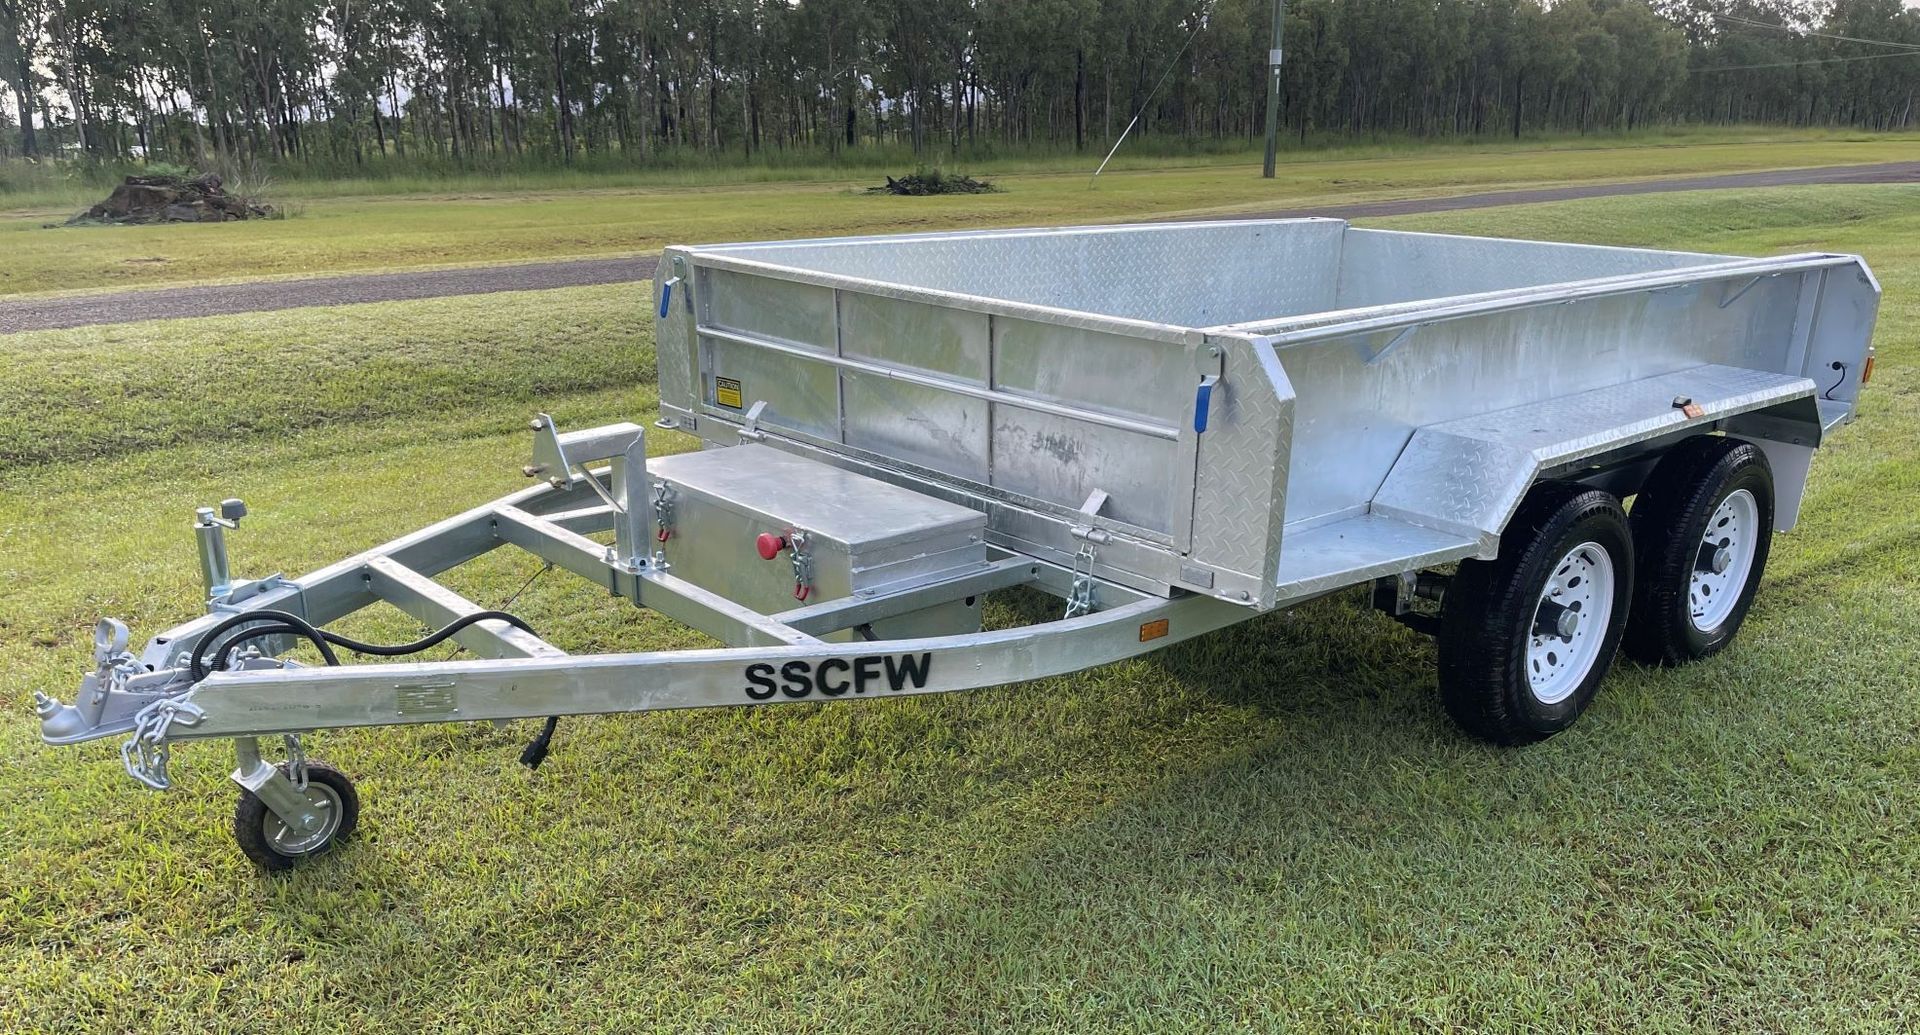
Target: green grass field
<point>534,218</point>
<point>60,187</point>
<point>1274,827</point>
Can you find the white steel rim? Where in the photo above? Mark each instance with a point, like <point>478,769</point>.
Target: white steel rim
<point>285,840</point>
<point>1570,623</point>
<point>1724,560</point>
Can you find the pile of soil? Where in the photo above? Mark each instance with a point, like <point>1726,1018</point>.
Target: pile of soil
<point>922,184</point>
<point>171,199</point>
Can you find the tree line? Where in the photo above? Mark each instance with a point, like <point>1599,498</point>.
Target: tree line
<point>331,85</point>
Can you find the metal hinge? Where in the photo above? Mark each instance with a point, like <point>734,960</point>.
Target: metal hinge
<point>750,422</point>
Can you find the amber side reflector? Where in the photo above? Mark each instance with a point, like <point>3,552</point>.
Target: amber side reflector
<point>1153,630</point>
<point>1866,372</point>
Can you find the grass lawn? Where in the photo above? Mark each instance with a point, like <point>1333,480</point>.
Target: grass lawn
<point>1274,826</point>
<point>519,219</point>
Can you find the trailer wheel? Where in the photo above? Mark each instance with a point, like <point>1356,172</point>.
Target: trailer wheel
<point>1702,529</point>
<point>268,841</point>
<point>1526,638</point>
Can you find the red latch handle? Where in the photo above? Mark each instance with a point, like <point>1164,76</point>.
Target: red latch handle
<point>769,545</point>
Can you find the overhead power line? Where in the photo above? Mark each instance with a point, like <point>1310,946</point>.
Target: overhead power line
<point>1812,61</point>
<point>1737,20</point>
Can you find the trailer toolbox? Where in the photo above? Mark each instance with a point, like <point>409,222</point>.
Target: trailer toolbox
<point>776,531</point>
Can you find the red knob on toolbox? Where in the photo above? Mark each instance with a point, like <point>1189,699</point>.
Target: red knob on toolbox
<point>769,545</point>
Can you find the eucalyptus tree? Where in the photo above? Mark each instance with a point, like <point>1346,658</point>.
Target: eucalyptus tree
<point>320,84</point>
<point>22,28</point>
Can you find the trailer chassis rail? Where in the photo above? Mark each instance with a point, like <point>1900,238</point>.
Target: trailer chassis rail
<point>152,698</point>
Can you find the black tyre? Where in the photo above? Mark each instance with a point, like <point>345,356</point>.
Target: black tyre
<point>1526,638</point>
<point>268,841</point>
<point>1702,529</point>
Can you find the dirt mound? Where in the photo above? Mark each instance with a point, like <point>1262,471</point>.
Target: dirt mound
<point>172,199</point>
<point>923,184</point>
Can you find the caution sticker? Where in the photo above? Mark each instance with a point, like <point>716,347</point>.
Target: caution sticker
<point>726,392</point>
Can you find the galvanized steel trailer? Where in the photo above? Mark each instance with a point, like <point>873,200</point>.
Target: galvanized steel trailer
<point>1171,427</point>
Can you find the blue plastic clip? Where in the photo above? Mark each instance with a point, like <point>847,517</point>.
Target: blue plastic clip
<point>1202,402</point>
<point>666,297</point>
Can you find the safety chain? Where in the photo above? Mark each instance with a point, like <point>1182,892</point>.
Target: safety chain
<point>296,761</point>
<point>145,754</point>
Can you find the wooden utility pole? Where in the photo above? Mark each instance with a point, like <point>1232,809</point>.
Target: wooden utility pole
<point>1273,89</point>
